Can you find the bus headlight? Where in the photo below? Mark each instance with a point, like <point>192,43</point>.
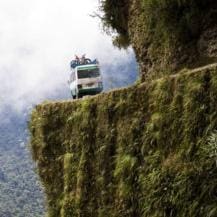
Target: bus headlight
<point>79,86</point>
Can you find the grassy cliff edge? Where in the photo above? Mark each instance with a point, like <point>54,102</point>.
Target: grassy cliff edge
<point>137,151</point>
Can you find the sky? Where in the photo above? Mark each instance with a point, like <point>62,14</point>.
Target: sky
<point>38,39</point>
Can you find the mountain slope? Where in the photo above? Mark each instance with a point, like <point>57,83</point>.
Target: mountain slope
<point>21,194</point>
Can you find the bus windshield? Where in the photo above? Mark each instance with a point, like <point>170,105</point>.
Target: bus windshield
<point>88,73</point>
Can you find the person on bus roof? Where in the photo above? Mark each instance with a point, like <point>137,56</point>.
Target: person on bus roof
<point>77,59</point>
<point>83,59</point>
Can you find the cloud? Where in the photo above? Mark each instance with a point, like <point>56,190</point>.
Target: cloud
<point>39,38</point>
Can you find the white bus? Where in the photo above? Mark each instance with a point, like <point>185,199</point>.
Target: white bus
<point>85,79</point>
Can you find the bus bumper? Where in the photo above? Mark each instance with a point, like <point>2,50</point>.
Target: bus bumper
<point>90,91</point>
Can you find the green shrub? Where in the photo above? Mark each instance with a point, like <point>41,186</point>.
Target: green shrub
<point>210,150</point>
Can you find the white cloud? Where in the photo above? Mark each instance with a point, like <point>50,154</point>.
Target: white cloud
<point>38,39</point>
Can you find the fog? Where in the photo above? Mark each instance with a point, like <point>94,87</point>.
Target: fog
<point>38,39</point>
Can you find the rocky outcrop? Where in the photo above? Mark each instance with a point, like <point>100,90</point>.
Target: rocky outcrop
<point>167,36</point>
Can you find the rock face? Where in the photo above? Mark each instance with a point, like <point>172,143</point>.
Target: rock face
<point>167,35</point>
<point>207,44</point>
<point>143,151</point>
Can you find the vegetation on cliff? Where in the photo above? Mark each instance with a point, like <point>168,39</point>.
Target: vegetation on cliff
<point>167,35</point>
<point>131,152</point>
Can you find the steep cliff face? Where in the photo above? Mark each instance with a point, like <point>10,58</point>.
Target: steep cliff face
<point>142,151</point>
<point>167,35</point>
<point>149,150</point>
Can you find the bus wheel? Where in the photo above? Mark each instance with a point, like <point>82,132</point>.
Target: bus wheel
<point>80,95</point>
<point>72,95</point>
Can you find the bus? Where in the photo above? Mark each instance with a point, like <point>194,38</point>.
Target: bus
<point>85,78</point>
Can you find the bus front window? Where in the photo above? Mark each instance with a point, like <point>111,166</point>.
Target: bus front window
<point>88,73</point>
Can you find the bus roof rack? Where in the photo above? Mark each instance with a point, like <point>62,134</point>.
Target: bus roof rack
<point>82,61</point>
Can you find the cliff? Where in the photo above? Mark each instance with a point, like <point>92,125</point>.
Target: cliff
<point>149,150</point>
<point>146,151</point>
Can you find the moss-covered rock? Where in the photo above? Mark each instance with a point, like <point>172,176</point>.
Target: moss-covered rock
<point>167,35</point>
<point>131,152</point>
